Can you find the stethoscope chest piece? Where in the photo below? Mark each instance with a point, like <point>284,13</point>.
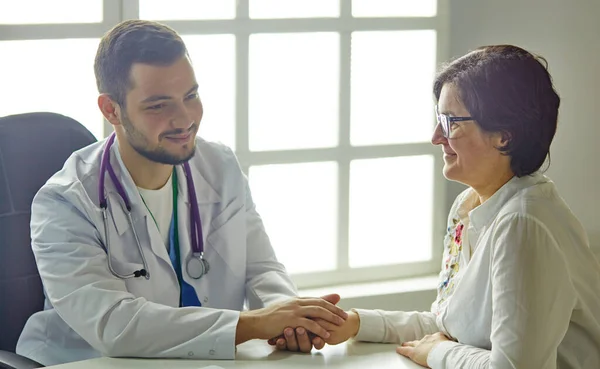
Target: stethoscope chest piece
<point>197,266</point>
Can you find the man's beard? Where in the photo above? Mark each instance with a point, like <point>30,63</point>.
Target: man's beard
<point>159,155</point>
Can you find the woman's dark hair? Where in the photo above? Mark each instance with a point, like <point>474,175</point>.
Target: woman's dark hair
<point>508,90</point>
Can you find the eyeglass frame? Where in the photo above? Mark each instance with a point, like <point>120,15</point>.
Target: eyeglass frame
<point>445,121</point>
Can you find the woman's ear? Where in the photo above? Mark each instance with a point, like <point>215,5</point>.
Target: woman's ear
<point>506,138</point>
<point>501,139</point>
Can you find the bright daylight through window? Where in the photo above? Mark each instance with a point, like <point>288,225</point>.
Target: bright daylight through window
<point>327,104</point>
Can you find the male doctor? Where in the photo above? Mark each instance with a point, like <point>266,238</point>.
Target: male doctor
<point>149,246</point>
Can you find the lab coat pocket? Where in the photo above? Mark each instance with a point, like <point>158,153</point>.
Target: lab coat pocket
<point>123,244</point>
<point>125,267</point>
<point>139,287</point>
<point>228,239</point>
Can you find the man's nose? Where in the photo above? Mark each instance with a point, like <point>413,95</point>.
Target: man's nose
<point>182,118</point>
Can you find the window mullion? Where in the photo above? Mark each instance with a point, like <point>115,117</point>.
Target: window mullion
<point>130,9</point>
<point>242,68</point>
<point>343,241</point>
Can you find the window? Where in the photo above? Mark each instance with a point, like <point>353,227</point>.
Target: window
<point>51,47</point>
<point>213,57</point>
<point>327,104</point>
<point>391,77</point>
<point>333,116</point>
<point>394,8</point>
<point>54,75</point>
<point>186,9</point>
<point>304,232</point>
<point>277,9</point>
<point>293,98</point>
<point>50,12</point>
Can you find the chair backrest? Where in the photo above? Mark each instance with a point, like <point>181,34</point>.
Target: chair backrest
<point>32,148</point>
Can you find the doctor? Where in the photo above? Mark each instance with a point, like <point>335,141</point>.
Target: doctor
<point>148,243</point>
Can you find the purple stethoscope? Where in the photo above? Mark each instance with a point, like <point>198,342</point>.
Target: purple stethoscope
<point>196,265</point>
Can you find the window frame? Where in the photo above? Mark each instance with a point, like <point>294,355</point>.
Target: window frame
<point>242,27</point>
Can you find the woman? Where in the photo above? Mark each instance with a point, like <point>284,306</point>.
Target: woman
<point>519,286</point>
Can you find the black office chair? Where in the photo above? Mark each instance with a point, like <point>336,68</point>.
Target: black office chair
<point>32,148</point>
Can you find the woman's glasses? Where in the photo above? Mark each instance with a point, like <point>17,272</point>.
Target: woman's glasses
<point>446,121</point>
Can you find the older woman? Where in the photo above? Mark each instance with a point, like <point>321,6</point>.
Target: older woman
<point>519,286</point>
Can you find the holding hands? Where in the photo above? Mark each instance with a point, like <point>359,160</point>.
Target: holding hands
<point>299,339</point>
<point>314,315</point>
<point>333,331</point>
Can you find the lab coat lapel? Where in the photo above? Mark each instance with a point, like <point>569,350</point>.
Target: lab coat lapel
<point>206,196</point>
<point>145,227</point>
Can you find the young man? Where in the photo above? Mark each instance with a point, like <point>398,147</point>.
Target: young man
<point>148,243</point>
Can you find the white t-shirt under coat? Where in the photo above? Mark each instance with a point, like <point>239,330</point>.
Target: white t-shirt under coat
<point>160,204</point>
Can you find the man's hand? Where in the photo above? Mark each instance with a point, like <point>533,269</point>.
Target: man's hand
<point>299,312</point>
<point>418,351</point>
<point>300,339</point>
<point>297,340</point>
<point>304,343</point>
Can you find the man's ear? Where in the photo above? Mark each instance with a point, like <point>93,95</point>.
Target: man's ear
<point>110,109</point>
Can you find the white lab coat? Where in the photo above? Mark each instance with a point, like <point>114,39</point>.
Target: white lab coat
<point>89,312</point>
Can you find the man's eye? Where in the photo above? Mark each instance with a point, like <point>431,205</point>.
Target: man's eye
<point>155,107</point>
<point>193,96</point>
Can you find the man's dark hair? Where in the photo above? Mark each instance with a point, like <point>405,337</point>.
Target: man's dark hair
<point>130,42</point>
<point>508,90</point>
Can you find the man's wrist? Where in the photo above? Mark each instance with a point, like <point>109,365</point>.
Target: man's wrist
<point>246,327</point>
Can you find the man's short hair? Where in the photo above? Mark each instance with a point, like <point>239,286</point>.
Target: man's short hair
<point>130,42</point>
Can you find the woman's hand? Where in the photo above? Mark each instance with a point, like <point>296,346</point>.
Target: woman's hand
<point>418,351</point>
<point>344,332</point>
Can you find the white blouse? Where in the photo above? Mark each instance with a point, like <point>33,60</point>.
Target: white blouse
<point>519,286</point>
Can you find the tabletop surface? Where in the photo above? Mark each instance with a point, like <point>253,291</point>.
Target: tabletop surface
<point>258,354</point>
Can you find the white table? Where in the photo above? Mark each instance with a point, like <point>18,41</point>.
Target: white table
<point>258,354</point>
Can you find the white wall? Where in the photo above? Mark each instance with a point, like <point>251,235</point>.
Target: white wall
<point>567,34</point>
<point>408,301</point>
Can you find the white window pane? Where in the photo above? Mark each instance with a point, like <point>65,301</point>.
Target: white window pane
<point>187,9</point>
<point>298,204</point>
<point>293,91</point>
<point>213,57</point>
<point>55,11</point>
<point>394,8</point>
<point>294,8</point>
<point>391,81</point>
<point>51,75</point>
<point>391,218</point>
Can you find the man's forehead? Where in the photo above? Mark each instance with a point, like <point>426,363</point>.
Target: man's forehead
<point>142,72</point>
<point>152,79</point>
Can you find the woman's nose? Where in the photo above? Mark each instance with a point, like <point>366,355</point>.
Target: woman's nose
<point>438,136</point>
